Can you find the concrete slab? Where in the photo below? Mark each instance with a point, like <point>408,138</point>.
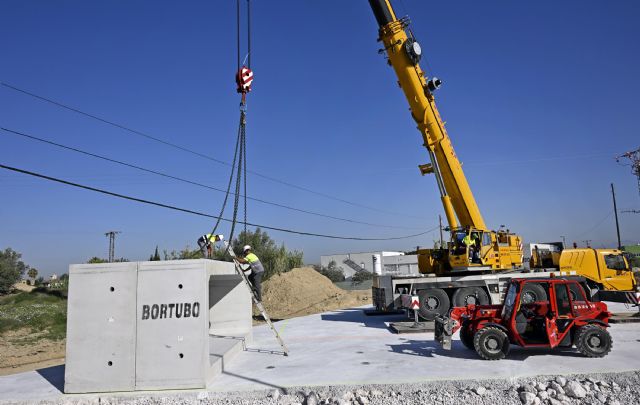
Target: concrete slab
<point>347,347</point>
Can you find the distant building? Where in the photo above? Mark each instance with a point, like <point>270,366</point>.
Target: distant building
<point>392,262</point>
<point>53,277</point>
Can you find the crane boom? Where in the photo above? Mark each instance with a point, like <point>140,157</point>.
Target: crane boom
<point>404,54</point>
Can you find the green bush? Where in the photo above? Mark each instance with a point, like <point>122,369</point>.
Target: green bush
<point>361,276</point>
<point>37,311</point>
<point>11,269</point>
<point>275,259</point>
<point>332,272</point>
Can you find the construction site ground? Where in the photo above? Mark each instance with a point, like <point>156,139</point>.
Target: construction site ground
<point>346,347</point>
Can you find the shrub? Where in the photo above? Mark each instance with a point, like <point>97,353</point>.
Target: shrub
<point>332,271</point>
<point>11,269</point>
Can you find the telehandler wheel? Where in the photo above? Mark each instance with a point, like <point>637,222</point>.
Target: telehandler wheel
<point>470,295</point>
<point>433,302</point>
<point>593,341</point>
<point>532,293</point>
<point>466,336</point>
<point>491,343</point>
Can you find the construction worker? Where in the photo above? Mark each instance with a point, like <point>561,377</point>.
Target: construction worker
<point>206,241</point>
<point>257,270</point>
<point>471,241</point>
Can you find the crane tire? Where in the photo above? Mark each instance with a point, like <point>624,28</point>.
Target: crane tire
<point>470,295</point>
<point>491,343</point>
<point>532,293</point>
<point>433,302</point>
<point>593,340</point>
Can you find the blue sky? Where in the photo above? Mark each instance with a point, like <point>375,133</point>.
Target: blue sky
<point>538,97</point>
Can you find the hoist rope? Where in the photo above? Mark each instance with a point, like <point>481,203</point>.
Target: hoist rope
<point>226,196</point>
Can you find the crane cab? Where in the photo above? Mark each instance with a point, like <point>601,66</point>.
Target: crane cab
<point>472,249</point>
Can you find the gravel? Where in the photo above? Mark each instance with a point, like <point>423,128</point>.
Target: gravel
<point>594,389</point>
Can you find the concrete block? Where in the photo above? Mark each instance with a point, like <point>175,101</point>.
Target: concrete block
<point>162,325</point>
<point>101,321</point>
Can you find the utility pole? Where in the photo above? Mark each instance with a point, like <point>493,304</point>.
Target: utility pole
<point>615,211</point>
<point>441,238</point>
<point>564,242</point>
<point>634,159</point>
<point>112,244</point>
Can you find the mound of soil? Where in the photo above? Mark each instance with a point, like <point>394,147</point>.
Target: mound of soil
<point>304,291</point>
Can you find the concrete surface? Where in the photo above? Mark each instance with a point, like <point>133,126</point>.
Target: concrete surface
<point>347,347</point>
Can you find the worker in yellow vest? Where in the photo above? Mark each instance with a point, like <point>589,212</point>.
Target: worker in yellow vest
<point>206,242</point>
<point>257,270</point>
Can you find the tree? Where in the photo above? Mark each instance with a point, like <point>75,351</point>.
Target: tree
<point>274,258</point>
<point>39,281</point>
<point>32,273</point>
<point>96,259</point>
<point>155,257</point>
<point>361,276</point>
<point>332,271</point>
<point>11,269</point>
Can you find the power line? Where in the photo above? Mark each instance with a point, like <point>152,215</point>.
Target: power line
<point>193,152</point>
<point>596,225</point>
<point>157,204</point>
<point>157,173</point>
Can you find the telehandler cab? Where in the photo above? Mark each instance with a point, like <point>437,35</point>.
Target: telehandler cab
<point>565,318</point>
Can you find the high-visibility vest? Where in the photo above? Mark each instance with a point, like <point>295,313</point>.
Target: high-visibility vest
<point>467,240</point>
<point>255,263</point>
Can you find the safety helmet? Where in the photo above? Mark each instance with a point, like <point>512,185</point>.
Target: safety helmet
<point>246,247</point>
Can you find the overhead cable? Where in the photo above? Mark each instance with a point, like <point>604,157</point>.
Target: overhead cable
<point>171,207</point>
<point>202,155</point>
<point>155,172</point>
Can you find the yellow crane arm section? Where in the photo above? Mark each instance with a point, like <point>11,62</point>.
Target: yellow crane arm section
<point>404,53</point>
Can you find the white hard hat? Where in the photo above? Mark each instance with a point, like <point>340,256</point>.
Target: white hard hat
<point>246,247</point>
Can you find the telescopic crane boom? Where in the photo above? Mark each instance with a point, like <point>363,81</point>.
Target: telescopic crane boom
<point>490,250</point>
<point>404,54</point>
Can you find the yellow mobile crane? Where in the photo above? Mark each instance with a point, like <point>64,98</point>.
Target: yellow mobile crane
<point>471,268</point>
<point>487,250</point>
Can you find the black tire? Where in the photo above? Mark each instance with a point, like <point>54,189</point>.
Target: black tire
<point>466,336</point>
<point>593,341</point>
<point>532,293</point>
<point>575,292</point>
<point>491,343</point>
<point>433,302</point>
<point>470,295</point>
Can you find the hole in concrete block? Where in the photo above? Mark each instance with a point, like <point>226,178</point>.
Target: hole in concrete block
<point>181,355</point>
<point>180,286</point>
<point>110,363</point>
<point>366,363</point>
<point>112,289</point>
<point>271,367</point>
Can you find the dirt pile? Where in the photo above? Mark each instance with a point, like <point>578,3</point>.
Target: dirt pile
<point>304,291</point>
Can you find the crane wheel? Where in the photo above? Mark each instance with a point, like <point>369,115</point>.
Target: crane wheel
<point>470,295</point>
<point>491,343</point>
<point>593,341</point>
<point>466,336</point>
<point>533,292</point>
<point>433,302</point>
